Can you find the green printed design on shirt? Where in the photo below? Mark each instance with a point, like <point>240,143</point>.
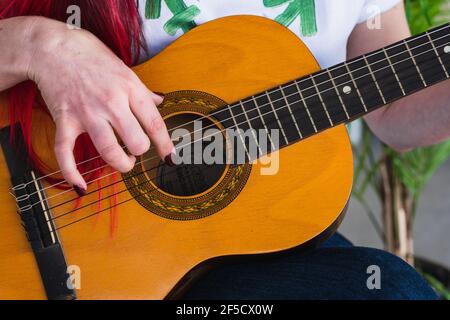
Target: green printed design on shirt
<point>305,9</point>
<point>152,9</point>
<point>183,16</point>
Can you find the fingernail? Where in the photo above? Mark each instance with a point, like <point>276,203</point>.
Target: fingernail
<point>80,191</point>
<point>162,95</point>
<point>169,161</point>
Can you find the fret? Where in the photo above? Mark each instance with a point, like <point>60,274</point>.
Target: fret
<point>374,79</point>
<point>321,100</point>
<point>349,90</point>
<point>227,119</point>
<point>280,126</point>
<point>291,112</point>
<point>437,55</point>
<point>394,72</point>
<point>338,94</point>
<point>415,63</point>
<point>405,68</point>
<point>238,117</point>
<point>386,78</point>
<point>253,155</point>
<point>260,106</point>
<point>299,110</point>
<point>252,114</point>
<point>238,126</point>
<point>441,40</point>
<point>284,111</point>
<point>335,107</point>
<point>366,83</point>
<point>426,59</point>
<point>303,100</point>
<point>284,119</point>
<point>266,112</point>
<point>313,104</point>
<point>257,123</point>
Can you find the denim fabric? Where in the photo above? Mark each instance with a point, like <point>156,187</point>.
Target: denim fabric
<point>335,270</point>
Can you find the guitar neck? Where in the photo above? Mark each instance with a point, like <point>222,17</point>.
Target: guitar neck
<point>345,92</point>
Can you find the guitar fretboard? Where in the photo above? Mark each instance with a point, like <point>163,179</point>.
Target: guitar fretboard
<point>345,92</point>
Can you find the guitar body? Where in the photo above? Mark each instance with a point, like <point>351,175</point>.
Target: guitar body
<point>148,254</point>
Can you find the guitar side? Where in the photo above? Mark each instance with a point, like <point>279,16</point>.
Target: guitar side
<point>230,58</point>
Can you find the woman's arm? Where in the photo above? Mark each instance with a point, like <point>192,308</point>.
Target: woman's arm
<point>16,51</point>
<point>86,89</point>
<point>418,120</point>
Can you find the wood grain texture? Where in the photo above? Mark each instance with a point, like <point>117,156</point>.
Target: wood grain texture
<point>230,58</point>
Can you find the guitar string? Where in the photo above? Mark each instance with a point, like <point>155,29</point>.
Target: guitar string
<point>96,190</point>
<point>100,200</point>
<point>60,215</point>
<point>280,108</point>
<point>105,209</point>
<point>238,104</point>
<point>173,171</point>
<point>24,197</point>
<point>27,207</point>
<point>235,104</point>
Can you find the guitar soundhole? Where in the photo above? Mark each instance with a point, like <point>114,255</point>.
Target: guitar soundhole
<point>188,180</point>
<point>191,176</point>
<point>197,186</point>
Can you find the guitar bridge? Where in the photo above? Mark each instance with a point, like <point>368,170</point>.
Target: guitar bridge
<point>34,211</point>
<point>37,220</point>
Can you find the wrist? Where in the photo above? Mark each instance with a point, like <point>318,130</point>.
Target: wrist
<point>17,50</point>
<point>43,37</point>
<point>23,45</point>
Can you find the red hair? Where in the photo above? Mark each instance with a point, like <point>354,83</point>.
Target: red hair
<point>115,22</point>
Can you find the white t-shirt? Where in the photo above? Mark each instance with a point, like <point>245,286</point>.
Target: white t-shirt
<point>323,25</point>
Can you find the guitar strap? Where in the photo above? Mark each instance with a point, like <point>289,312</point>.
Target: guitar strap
<point>36,219</point>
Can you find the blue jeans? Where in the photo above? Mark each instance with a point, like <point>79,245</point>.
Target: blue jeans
<point>335,270</point>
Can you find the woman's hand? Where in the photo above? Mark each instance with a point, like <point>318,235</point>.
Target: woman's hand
<point>89,89</point>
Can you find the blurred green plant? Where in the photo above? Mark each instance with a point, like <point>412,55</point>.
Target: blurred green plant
<point>398,179</point>
<point>423,14</point>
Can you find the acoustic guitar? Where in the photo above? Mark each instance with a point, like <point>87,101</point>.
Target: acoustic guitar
<point>173,222</point>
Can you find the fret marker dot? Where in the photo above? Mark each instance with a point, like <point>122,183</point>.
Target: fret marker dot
<point>447,49</point>
<point>347,89</point>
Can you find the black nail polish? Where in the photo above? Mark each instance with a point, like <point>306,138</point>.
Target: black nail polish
<point>80,191</point>
<point>169,161</point>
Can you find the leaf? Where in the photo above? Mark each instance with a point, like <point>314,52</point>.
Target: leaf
<point>438,286</point>
<point>416,168</point>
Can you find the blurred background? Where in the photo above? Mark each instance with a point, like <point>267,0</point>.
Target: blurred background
<point>401,202</point>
